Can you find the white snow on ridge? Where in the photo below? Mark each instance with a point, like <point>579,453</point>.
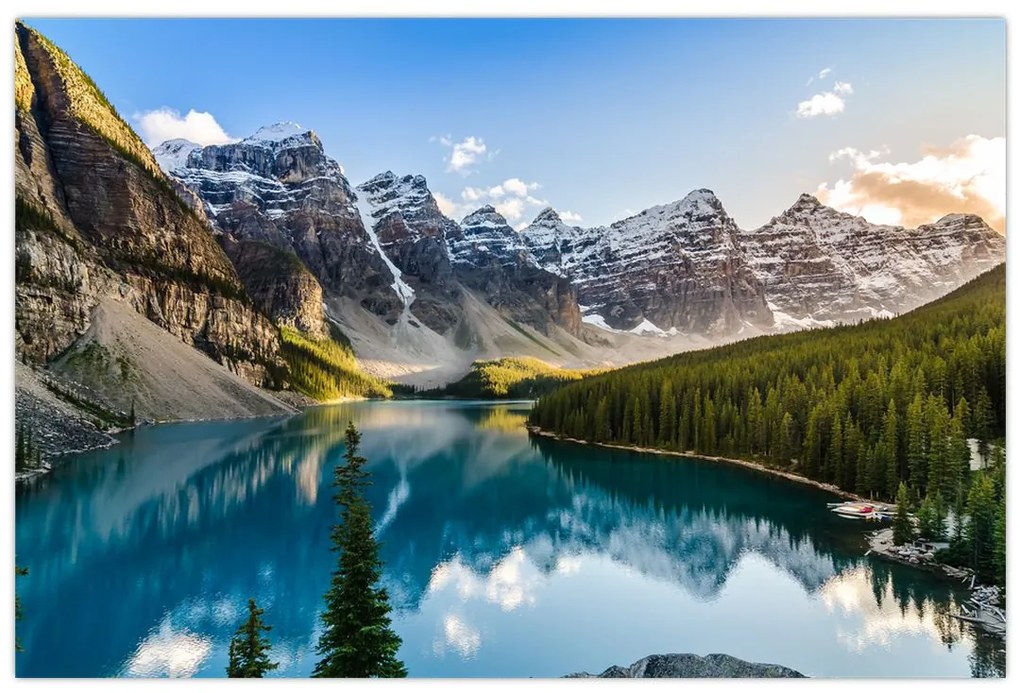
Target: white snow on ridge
<point>648,327</point>
<point>173,154</point>
<point>785,321</point>
<point>645,328</point>
<point>366,209</point>
<point>277,132</point>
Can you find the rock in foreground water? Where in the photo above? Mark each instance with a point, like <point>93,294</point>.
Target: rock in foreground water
<point>691,666</point>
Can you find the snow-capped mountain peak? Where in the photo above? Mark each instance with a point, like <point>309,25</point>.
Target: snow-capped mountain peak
<point>277,132</point>
<point>548,216</point>
<point>173,154</point>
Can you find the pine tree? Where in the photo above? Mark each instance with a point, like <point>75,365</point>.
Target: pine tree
<point>20,453</point>
<point>834,457</point>
<point>357,640</point>
<point>18,572</point>
<point>249,650</point>
<point>889,443</point>
<point>980,528</point>
<point>917,458</point>
<point>784,450</point>
<point>929,519</point>
<point>1000,544</point>
<point>603,432</point>
<point>903,527</point>
<point>667,415</point>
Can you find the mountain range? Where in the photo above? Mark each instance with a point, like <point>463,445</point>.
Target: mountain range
<point>217,248</point>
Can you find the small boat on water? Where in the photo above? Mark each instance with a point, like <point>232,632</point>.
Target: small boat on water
<point>862,510</point>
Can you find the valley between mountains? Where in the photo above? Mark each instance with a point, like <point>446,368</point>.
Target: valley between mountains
<point>248,278</point>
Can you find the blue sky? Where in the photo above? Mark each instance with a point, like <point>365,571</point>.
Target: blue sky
<point>607,117</point>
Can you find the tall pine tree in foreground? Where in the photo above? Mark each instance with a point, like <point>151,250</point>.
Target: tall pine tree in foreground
<point>249,650</point>
<point>357,640</point>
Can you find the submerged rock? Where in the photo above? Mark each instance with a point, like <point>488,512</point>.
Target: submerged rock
<point>691,666</point>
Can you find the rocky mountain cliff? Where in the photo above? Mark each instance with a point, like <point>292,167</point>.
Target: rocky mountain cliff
<point>96,218</point>
<point>818,264</point>
<point>672,268</point>
<point>277,187</point>
<point>222,245</point>
<point>682,269</point>
<point>686,266</point>
<point>492,258</point>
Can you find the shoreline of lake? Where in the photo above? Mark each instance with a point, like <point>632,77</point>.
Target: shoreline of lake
<point>757,466</point>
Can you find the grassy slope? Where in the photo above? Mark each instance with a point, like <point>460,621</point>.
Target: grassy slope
<point>325,369</point>
<point>511,377</point>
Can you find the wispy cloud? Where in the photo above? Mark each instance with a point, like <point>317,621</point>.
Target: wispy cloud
<point>570,217</point>
<point>822,74</point>
<point>162,124</point>
<point>463,155</point>
<point>968,176</point>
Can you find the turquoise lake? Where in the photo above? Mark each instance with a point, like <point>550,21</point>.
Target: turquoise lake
<point>505,555</point>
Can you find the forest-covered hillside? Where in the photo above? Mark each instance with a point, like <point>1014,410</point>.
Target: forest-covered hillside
<point>863,406</point>
<point>513,377</point>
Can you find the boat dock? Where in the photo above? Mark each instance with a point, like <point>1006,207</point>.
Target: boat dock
<point>864,510</point>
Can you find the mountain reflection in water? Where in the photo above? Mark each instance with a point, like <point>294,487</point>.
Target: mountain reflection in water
<point>505,555</point>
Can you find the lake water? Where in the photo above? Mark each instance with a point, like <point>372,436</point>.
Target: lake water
<point>505,555</point>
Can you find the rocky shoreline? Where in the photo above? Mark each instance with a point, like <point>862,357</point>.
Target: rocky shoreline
<point>691,666</point>
<point>54,426</point>
<point>757,466</point>
<point>986,610</point>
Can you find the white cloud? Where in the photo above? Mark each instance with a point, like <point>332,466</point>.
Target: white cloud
<point>512,208</point>
<point>464,154</point>
<point>445,204</point>
<point>570,217</point>
<point>512,198</point>
<point>162,124</point>
<point>844,88</point>
<point>516,186</point>
<point>968,176</point>
<point>827,103</point>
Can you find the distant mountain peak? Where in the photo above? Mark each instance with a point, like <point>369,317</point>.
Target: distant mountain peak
<point>277,132</point>
<point>173,154</point>
<point>548,216</point>
<point>485,215</point>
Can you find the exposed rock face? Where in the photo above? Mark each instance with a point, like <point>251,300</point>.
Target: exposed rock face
<point>280,285</point>
<point>412,233</point>
<point>493,259</point>
<point>279,187</point>
<point>676,266</point>
<point>96,217</point>
<point>690,666</point>
<point>818,263</point>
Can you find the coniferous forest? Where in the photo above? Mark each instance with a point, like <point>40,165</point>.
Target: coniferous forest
<point>863,406</point>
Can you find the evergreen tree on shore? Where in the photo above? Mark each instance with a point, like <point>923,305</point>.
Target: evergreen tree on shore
<point>869,405</point>
<point>249,649</point>
<point>18,572</point>
<point>357,640</point>
<point>903,527</point>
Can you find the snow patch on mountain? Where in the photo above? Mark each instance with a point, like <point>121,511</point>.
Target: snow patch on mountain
<point>368,214</point>
<point>277,132</point>
<point>173,154</point>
